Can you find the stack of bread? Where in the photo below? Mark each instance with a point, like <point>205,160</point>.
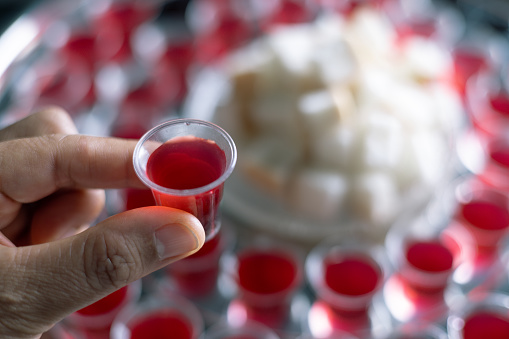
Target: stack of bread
<point>342,117</point>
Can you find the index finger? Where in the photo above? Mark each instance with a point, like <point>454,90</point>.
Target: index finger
<point>32,168</point>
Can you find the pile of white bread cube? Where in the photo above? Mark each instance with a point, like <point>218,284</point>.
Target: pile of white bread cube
<point>343,117</point>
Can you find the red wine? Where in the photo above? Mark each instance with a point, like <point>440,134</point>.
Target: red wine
<point>106,304</point>
<point>485,215</point>
<point>185,163</point>
<point>162,325</point>
<point>196,275</point>
<point>466,64</point>
<point>266,272</point>
<point>430,256</point>
<point>484,324</point>
<point>352,275</point>
<point>500,155</point>
<point>500,103</point>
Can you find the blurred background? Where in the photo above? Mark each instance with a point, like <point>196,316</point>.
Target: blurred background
<point>361,122</point>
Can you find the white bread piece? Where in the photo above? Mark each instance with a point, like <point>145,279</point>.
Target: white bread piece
<point>380,141</point>
<point>318,193</point>
<point>450,114</point>
<point>375,197</point>
<point>430,149</point>
<point>318,111</point>
<point>268,162</point>
<point>411,104</point>
<point>294,45</point>
<point>374,85</point>
<point>425,59</point>
<point>276,114</point>
<point>335,62</point>
<point>423,160</point>
<point>371,36</point>
<point>345,101</point>
<point>256,69</point>
<point>334,148</point>
<point>228,115</point>
<point>329,27</point>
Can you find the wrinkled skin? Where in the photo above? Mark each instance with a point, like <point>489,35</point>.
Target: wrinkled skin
<point>51,189</point>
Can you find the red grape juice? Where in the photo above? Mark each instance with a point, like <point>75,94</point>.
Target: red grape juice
<point>485,324</point>
<point>186,163</point>
<point>429,266</point>
<point>162,325</point>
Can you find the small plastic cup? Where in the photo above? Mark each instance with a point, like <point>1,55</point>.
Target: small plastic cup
<point>346,276</point>
<point>469,58</point>
<point>345,279</point>
<point>495,171</point>
<point>486,157</point>
<point>196,276</point>
<point>487,317</point>
<point>95,320</point>
<point>185,163</point>
<point>487,102</point>
<point>168,316</point>
<point>424,264</point>
<point>483,212</point>
<point>267,277</point>
<point>476,224</point>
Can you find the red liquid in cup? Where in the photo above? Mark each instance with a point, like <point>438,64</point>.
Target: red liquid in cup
<point>266,281</point>
<point>287,13</point>
<point>500,156</point>
<point>430,265</point>
<point>229,32</point>
<point>486,219</point>
<point>351,275</point>
<point>351,280</point>
<point>162,325</point>
<point>81,46</point>
<point>500,104</point>
<point>266,273</point>
<point>106,304</point>
<point>187,163</point>
<point>496,170</point>
<point>486,325</point>
<point>172,68</point>
<point>466,64</point>
<point>485,215</point>
<point>429,256</point>
<point>136,198</point>
<point>491,115</point>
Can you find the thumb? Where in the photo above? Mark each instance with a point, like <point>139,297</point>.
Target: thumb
<point>41,284</point>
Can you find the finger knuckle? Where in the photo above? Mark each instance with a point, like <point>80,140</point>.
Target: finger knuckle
<point>55,120</point>
<point>110,261</point>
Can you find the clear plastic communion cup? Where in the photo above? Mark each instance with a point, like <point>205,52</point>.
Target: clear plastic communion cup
<point>159,316</point>
<point>185,163</point>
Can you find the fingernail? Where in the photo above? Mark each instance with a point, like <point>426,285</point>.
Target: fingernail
<point>174,240</point>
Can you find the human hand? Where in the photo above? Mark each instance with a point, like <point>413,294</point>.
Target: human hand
<point>51,182</point>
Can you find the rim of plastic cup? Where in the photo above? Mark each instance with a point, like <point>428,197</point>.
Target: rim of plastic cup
<point>374,254</point>
<point>282,252</point>
<point>103,320</point>
<point>171,301</point>
<point>184,192</point>
<point>494,302</point>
